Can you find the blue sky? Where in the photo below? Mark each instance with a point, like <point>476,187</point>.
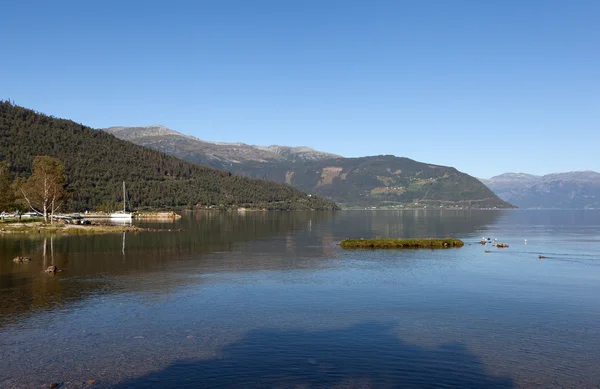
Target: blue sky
<point>485,86</point>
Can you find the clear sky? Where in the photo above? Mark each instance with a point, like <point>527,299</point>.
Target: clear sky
<point>485,86</point>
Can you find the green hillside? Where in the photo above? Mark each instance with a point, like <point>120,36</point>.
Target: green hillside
<point>97,163</point>
<point>384,181</point>
<point>376,181</point>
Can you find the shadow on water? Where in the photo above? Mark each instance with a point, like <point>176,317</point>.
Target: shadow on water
<point>366,355</point>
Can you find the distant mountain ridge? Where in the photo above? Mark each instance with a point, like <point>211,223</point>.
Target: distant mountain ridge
<point>219,155</point>
<point>383,180</point>
<point>128,133</point>
<point>574,190</point>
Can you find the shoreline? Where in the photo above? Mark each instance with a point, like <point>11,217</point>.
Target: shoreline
<point>38,227</point>
<point>167,215</point>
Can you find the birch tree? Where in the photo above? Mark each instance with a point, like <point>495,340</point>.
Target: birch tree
<point>44,190</point>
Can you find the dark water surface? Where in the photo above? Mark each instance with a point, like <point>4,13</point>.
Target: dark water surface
<point>268,300</point>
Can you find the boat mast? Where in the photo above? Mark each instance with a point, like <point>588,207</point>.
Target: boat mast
<point>124,207</point>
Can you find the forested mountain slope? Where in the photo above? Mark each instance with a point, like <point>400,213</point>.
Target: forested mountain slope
<point>382,181</point>
<point>218,155</point>
<point>97,163</point>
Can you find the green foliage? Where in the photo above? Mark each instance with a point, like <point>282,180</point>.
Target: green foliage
<point>381,243</point>
<point>7,198</point>
<point>360,180</point>
<point>97,163</point>
<point>45,189</point>
<point>383,180</point>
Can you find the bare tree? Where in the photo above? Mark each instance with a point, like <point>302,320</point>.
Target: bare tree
<point>44,190</point>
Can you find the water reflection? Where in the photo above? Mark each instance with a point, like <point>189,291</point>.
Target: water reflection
<point>90,263</point>
<point>269,300</point>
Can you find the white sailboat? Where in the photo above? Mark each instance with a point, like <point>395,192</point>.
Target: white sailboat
<point>122,215</point>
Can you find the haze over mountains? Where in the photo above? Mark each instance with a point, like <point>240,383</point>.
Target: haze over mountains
<point>368,181</point>
<point>571,190</point>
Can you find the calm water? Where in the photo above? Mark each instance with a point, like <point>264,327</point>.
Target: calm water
<point>267,300</point>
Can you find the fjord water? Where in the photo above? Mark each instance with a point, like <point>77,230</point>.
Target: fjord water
<point>268,300</point>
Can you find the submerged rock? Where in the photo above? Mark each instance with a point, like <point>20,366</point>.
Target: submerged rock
<point>52,269</point>
<point>21,259</point>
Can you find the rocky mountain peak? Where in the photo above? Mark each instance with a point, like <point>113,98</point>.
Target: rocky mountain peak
<point>129,133</point>
<point>167,140</point>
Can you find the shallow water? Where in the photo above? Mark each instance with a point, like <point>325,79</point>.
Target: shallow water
<point>261,300</point>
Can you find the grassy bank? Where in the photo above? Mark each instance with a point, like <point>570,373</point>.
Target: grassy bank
<point>381,243</point>
<point>59,228</point>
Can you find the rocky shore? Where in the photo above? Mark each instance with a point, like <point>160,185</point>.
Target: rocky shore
<point>158,215</point>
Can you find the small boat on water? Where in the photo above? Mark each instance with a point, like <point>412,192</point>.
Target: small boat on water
<point>122,215</point>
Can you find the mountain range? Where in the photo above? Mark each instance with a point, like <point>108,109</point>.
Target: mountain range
<point>97,162</point>
<point>384,180</point>
<point>218,155</point>
<point>571,190</point>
